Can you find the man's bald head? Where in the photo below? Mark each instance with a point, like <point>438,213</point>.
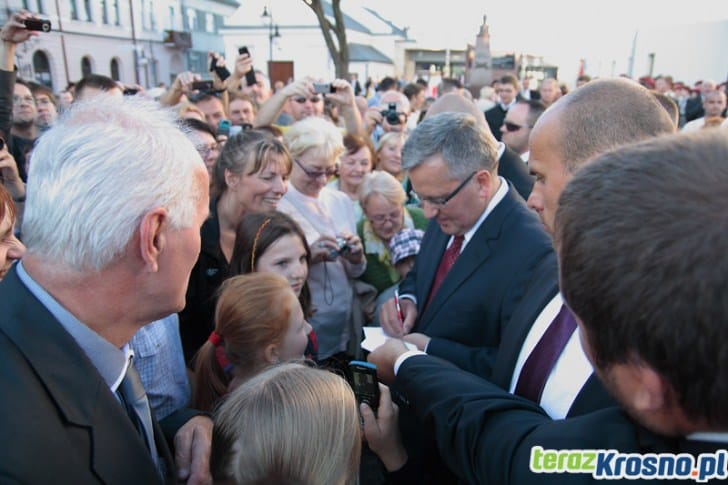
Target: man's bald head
<point>455,103</point>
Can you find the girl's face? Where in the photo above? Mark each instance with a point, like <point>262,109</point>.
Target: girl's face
<point>295,340</point>
<point>286,257</point>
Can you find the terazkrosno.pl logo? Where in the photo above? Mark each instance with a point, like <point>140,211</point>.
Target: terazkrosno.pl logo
<point>611,464</point>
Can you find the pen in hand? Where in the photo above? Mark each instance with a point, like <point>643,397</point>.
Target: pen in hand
<point>399,308</point>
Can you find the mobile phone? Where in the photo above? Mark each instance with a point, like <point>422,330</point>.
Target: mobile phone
<point>323,88</point>
<point>222,72</point>
<point>130,91</point>
<point>364,383</point>
<point>202,85</point>
<point>223,128</point>
<point>250,75</point>
<point>42,25</point>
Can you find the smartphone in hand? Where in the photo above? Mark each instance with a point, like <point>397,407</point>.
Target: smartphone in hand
<point>250,79</point>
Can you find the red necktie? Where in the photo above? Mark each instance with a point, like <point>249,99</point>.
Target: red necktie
<point>448,259</point>
<point>538,365</point>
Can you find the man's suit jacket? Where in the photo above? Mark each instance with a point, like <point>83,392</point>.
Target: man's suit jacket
<point>512,168</point>
<point>542,288</point>
<point>485,434</point>
<point>495,116</point>
<point>60,423</point>
<point>466,316</point>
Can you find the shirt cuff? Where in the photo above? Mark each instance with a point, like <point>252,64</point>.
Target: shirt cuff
<point>408,296</point>
<point>404,357</point>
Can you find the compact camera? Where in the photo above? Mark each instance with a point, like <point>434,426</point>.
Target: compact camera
<point>202,85</point>
<point>343,248</point>
<point>323,88</point>
<point>42,25</point>
<point>392,115</point>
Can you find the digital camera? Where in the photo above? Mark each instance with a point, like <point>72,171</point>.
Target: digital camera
<point>391,114</point>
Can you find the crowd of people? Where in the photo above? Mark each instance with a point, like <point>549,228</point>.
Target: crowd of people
<point>186,278</point>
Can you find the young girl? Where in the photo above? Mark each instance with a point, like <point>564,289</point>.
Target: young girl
<point>273,242</point>
<point>258,322</point>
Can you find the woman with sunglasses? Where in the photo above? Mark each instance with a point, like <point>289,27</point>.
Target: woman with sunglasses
<point>327,219</point>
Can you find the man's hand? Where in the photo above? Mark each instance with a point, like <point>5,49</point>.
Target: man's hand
<point>389,317</point>
<point>384,358</point>
<point>192,447</point>
<point>418,339</point>
<point>10,178</point>
<point>382,431</point>
<point>344,95</point>
<point>372,118</point>
<point>14,30</point>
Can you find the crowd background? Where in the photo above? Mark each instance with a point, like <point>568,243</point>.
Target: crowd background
<point>333,210</point>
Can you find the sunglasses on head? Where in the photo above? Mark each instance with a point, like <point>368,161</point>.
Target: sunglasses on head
<point>313,99</point>
<point>513,126</point>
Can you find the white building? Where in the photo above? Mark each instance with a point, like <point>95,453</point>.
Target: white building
<point>134,41</point>
<point>375,44</point>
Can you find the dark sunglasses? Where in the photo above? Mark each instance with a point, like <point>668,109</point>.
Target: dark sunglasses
<point>514,127</point>
<point>301,100</point>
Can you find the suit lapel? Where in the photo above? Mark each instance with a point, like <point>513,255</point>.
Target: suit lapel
<point>543,287</point>
<point>74,384</point>
<point>472,257</point>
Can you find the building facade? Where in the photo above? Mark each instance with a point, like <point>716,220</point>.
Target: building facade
<point>143,42</point>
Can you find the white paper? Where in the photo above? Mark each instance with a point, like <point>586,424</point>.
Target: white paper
<point>375,336</point>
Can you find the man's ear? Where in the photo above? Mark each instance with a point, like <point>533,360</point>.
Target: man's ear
<point>485,180</point>
<point>650,390</point>
<point>151,237</point>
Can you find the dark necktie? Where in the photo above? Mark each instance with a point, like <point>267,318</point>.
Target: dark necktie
<point>539,363</point>
<point>134,398</point>
<point>447,261</point>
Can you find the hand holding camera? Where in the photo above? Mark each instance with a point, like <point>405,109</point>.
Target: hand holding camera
<point>16,31</point>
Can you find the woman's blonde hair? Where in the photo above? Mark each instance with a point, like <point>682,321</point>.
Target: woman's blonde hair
<point>384,184</point>
<point>320,136</point>
<point>252,312</point>
<point>289,424</point>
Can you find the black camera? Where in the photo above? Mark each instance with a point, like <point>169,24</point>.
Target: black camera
<point>42,25</point>
<point>202,85</point>
<point>392,115</point>
<point>343,248</point>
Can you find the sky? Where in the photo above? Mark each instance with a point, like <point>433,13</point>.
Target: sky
<point>562,31</point>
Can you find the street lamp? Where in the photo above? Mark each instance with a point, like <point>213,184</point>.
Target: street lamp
<point>273,32</point>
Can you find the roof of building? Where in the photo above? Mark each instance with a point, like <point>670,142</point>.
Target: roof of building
<point>366,53</point>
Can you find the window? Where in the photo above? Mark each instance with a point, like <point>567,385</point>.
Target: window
<point>74,10</point>
<point>115,69</point>
<point>88,11</point>
<point>42,69</point>
<point>209,23</point>
<point>86,69</point>
<point>104,12</point>
<point>191,19</point>
<point>171,18</point>
<point>117,17</point>
<point>145,14</point>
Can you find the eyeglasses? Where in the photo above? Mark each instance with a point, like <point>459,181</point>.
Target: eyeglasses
<point>23,99</point>
<point>382,218</point>
<point>314,174</point>
<point>313,99</point>
<point>206,150</point>
<point>511,127</point>
<point>441,202</point>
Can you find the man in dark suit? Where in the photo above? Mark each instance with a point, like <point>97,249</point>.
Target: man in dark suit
<point>451,162</point>
<point>116,197</point>
<point>620,231</point>
<point>508,96</point>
